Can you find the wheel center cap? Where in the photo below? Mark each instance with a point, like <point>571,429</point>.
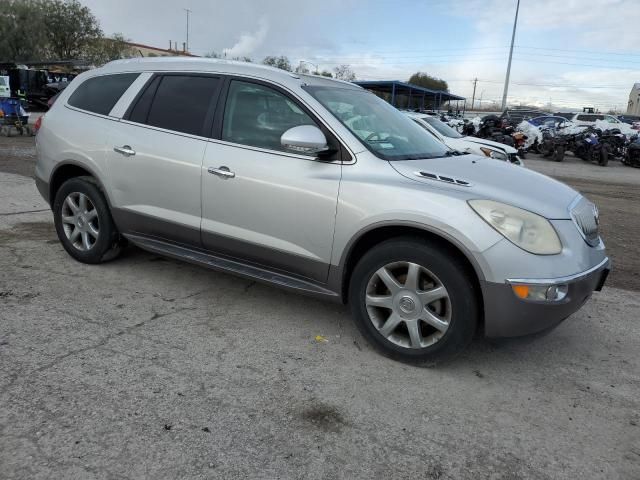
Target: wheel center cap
<point>80,222</point>
<point>407,305</point>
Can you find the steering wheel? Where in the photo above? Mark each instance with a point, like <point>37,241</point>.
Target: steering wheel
<point>371,136</point>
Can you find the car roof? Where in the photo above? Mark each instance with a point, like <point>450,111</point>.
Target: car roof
<point>222,66</point>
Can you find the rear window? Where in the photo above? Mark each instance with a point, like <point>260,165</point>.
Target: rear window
<point>100,94</point>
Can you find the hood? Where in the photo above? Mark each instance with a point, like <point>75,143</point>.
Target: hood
<point>491,144</point>
<point>499,181</point>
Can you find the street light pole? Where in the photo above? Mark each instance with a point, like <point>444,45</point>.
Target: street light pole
<point>506,81</point>
<point>188,12</point>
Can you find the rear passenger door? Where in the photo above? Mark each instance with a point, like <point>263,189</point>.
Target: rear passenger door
<point>156,153</point>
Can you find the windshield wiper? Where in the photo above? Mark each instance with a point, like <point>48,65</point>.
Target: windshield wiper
<point>455,153</point>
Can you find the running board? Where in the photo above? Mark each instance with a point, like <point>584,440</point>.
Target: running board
<point>227,265</point>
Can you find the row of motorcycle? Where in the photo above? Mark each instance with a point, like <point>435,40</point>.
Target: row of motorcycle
<point>589,143</point>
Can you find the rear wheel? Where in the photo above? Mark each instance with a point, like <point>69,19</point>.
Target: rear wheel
<point>603,159</point>
<point>414,302</point>
<point>558,154</point>
<point>83,221</point>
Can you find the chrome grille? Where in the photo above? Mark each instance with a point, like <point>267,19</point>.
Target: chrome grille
<point>585,217</point>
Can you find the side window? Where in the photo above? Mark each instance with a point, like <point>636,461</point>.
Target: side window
<point>180,103</point>
<point>100,94</point>
<point>256,115</point>
<point>584,118</point>
<point>140,111</point>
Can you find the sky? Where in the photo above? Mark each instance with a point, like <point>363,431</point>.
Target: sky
<point>568,53</point>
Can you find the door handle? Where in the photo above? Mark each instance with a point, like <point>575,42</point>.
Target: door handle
<point>222,172</point>
<point>125,150</point>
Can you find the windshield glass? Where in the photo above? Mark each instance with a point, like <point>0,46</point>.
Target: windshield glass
<point>3,82</point>
<point>385,131</point>
<point>441,127</point>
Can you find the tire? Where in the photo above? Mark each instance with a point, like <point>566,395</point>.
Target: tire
<point>558,154</point>
<point>603,160</point>
<point>100,247</point>
<point>456,315</point>
<point>522,153</point>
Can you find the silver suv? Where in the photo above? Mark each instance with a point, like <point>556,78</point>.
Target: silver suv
<point>320,187</point>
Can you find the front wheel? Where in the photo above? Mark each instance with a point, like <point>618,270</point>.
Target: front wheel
<point>603,159</point>
<point>413,301</point>
<point>558,154</point>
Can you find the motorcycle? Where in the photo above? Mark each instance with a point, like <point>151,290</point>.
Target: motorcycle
<point>631,155</point>
<point>589,148</point>
<point>519,142</point>
<point>552,145</point>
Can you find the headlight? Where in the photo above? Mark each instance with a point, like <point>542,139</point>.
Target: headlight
<point>493,153</point>
<point>529,231</point>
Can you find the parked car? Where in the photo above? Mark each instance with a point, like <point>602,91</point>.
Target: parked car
<point>516,115</point>
<point>551,121</point>
<point>566,115</point>
<point>320,187</point>
<point>589,119</point>
<point>633,120</point>
<point>456,141</point>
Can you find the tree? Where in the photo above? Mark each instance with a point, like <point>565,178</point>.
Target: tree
<point>103,50</point>
<point>70,28</point>
<point>326,73</point>
<point>344,72</point>
<point>281,62</point>
<point>427,81</point>
<point>21,33</point>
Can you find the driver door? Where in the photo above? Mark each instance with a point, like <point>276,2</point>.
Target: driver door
<point>261,203</point>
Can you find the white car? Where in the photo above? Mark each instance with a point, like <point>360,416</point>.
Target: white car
<point>454,140</point>
<point>589,119</point>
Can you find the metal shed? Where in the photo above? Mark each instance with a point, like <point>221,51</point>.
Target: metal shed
<point>408,96</point>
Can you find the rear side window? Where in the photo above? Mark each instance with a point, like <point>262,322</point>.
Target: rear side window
<point>180,103</point>
<point>100,94</point>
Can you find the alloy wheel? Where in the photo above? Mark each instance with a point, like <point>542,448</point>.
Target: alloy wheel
<point>80,221</point>
<point>408,305</point>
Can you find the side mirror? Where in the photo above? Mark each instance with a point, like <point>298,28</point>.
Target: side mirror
<point>304,139</point>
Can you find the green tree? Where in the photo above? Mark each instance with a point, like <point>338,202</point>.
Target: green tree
<point>281,62</point>
<point>22,35</point>
<point>427,81</point>
<point>344,72</point>
<point>71,29</point>
<point>326,73</point>
<point>102,50</point>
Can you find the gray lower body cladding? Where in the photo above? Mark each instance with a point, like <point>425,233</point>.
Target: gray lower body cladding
<point>506,315</point>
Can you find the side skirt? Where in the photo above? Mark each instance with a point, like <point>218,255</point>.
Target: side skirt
<point>233,266</point>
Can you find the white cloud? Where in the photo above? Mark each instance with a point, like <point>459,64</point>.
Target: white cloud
<point>249,42</point>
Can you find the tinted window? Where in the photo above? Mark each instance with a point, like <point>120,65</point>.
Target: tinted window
<point>100,94</point>
<point>140,111</point>
<point>258,116</point>
<point>181,103</point>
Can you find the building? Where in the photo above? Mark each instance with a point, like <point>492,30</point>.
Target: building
<point>633,107</point>
<point>142,50</point>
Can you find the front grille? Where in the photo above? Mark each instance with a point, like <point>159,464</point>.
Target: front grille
<point>585,217</point>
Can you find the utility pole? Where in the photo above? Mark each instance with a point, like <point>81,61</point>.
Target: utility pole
<point>473,97</point>
<point>506,81</point>
<point>188,13</point>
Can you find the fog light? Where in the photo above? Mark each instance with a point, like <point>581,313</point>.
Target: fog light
<point>540,293</point>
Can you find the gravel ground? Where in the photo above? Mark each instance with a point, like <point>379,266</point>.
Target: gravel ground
<point>150,368</point>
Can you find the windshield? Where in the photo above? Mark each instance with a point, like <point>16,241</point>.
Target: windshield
<point>441,127</point>
<point>385,131</point>
<point>3,82</point>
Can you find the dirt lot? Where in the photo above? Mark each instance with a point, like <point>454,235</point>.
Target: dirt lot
<point>149,368</point>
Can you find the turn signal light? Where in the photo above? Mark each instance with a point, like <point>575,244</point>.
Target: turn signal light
<point>521,291</point>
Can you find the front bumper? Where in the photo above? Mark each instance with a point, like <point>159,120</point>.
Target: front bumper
<point>43,188</point>
<point>506,315</point>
